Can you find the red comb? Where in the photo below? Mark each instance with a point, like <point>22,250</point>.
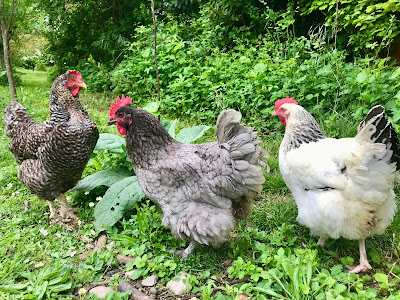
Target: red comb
<point>124,101</point>
<point>76,73</point>
<point>285,100</point>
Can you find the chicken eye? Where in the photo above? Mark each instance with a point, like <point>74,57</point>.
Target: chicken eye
<point>120,115</point>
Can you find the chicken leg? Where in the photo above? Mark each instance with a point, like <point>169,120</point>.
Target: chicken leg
<point>364,264</point>
<point>53,210</point>
<point>185,253</point>
<point>321,242</point>
<point>66,212</point>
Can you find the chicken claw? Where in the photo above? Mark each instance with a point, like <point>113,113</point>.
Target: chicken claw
<point>66,212</point>
<point>364,264</point>
<point>185,253</point>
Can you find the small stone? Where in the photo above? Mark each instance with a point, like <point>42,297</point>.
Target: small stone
<point>85,254</point>
<point>100,291</point>
<point>122,259</point>
<point>99,244</point>
<point>39,265</point>
<point>124,286</point>
<point>111,273</point>
<point>153,291</point>
<point>109,246</point>
<point>150,281</point>
<point>243,297</point>
<point>177,285</point>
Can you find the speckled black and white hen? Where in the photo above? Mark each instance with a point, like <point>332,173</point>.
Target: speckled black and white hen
<point>53,154</point>
<point>202,189</point>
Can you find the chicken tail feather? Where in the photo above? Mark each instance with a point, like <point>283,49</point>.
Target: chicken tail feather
<point>245,155</point>
<point>377,128</point>
<point>15,114</point>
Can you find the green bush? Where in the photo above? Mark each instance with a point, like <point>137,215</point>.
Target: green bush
<point>200,78</point>
<point>4,79</point>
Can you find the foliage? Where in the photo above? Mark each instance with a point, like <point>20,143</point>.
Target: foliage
<point>199,78</point>
<point>4,79</point>
<point>124,191</point>
<point>53,278</point>
<point>370,25</point>
<point>101,29</point>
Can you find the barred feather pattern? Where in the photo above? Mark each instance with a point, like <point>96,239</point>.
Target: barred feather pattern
<point>52,154</point>
<point>202,189</point>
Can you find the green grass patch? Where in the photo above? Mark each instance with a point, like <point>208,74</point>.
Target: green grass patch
<point>280,258</point>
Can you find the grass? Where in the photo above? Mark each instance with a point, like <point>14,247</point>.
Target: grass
<point>41,261</point>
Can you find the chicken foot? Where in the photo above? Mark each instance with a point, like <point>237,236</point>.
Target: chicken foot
<point>185,253</point>
<point>66,212</point>
<point>364,264</point>
<point>53,210</point>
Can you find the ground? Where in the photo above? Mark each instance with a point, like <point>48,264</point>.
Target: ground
<point>269,256</point>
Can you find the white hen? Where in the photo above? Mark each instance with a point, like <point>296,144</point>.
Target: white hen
<point>342,187</point>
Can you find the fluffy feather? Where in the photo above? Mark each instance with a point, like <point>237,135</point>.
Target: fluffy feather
<point>201,188</point>
<point>342,187</point>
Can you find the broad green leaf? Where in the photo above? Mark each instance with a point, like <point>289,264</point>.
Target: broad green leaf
<point>362,77</point>
<point>61,286</point>
<point>40,290</point>
<point>121,197</point>
<point>136,274</point>
<point>383,278</point>
<point>151,107</point>
<point>13,288</point>
<point>110,142</point>
<point>171,129</point>
<point>105,177</point>
<point>188,135</point>
<point>166,124</point>
<point>304,288</point>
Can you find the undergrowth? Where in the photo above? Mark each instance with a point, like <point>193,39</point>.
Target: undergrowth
<point>273,255</point>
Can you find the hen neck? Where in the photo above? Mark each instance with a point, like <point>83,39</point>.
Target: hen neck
<point>145,144</point>
<point>66,108</point>
<point>301,128</point>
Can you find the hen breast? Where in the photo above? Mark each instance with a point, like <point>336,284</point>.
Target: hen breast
<point>342,187</point>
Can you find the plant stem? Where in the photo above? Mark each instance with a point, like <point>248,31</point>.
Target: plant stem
<point>155,51</point>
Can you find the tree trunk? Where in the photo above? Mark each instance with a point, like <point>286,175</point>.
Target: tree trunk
<point>7,62</point>
<point>155,51</point>
<point>5,29</point>
<point>1,60</point>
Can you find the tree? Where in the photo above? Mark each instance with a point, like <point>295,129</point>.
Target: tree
<point>5,26</point>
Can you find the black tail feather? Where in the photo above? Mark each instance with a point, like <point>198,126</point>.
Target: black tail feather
<point>384,132</point>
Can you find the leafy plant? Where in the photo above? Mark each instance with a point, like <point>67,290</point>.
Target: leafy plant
<point>123,191</point>
<point>52,278</point>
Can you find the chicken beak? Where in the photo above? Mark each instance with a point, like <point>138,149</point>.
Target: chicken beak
<point>82,85</point>
<point>111,122</point>
<point>274,114</point>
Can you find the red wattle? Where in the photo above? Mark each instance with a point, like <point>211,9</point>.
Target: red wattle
<point>282,120</point>
<point>75,91</point>
<point>121,130</point>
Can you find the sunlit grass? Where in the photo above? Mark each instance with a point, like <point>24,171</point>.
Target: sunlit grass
<point>22,245</point>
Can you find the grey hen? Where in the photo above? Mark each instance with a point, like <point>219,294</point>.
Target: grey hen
<point>53,154</point>
<point>202,189</point>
